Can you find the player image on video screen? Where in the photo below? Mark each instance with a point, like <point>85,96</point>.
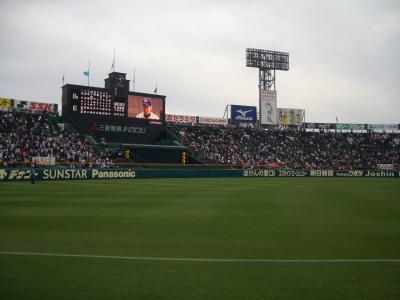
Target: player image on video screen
<point>144,107</point>
<point>147,111</point>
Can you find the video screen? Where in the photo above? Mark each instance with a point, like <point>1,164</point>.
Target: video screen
<point>142,107</point>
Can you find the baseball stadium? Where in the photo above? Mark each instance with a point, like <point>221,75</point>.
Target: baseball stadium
<point>110,194</point>
<point>102,202</point>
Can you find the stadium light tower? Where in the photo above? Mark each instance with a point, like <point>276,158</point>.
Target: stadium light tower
<point>267,62</point>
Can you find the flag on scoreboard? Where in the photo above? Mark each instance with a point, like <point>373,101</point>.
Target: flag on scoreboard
<point>87,74</point>
<point>134,78</point>
<point>113,63</point>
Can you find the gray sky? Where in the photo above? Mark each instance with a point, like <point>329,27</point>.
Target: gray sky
<point>344,55</point>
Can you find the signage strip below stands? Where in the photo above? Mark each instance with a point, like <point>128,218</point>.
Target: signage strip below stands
<point>48,174</point>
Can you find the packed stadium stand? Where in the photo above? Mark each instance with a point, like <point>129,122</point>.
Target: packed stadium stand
<point>24,135</point>
<point>249,146</point>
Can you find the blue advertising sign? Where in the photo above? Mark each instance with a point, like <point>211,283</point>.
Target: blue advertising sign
<point>243,114</point>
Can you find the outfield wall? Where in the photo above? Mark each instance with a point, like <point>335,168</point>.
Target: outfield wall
<point>48,174</point>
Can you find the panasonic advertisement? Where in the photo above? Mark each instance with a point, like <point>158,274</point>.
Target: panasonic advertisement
<point>243,114</point>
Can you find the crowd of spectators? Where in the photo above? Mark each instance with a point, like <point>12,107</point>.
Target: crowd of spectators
<point>250,147</point>
<point>26,135</point>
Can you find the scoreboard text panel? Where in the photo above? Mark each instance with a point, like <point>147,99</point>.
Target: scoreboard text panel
<point>98,103</point>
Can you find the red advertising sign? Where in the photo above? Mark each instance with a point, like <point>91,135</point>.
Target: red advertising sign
<point>42,106</point>
<point>180,118</point>
<point>21,105</point>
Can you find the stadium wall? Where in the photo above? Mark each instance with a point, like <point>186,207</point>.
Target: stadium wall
<point>48,174</point>
<point>114,131</point>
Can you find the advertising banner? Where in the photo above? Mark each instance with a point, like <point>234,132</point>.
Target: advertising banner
<point>20,105</point>
<point>269,115</point>
<point>385,166</point>
<point>99,127</point>
<point>367,173</point>
<point>268,95</point>
<point>5,104</point>
<point>39,106</point>
<point>24,174</point>
<point>320,125</point>
<point>13,104</point>
<point>321,173</point>
<point>342,126</point>
<point>276,173</point>
<point>44,161</point>
<point>180,118</point>
<point>213,121</point>
<point>290,116</point>
<point>383,127</point>
<point>268,109</point>
<point>49,174</point>
<point>243,114</point>
<point>119,131</point>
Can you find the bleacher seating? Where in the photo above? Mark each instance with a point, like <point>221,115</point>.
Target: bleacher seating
<point>24,135</point>
<point>249,147</point>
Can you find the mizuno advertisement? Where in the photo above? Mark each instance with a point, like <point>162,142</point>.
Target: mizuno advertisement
<point>243,114</point>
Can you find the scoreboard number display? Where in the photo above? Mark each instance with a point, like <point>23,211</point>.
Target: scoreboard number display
<point>114,102</point>
<point>92,102</point>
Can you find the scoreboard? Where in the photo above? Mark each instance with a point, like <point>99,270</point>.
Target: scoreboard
<point>94,102</point>
<point>112,103</point>
<point>91,102</point>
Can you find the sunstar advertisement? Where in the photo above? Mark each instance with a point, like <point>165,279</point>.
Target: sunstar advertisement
<point>65,174</point>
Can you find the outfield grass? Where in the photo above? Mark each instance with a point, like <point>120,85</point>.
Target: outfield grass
<point>245,218</point>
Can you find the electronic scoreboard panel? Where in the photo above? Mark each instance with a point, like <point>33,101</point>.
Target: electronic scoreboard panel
<point>83,102</point>
<point>113,114</point>
<point>90,102</point>
<point>98,103</point>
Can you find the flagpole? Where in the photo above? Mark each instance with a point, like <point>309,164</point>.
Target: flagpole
<point>134,78</point>
<point>337,120</point>
<point>114,62</point>
<point>88,80</point>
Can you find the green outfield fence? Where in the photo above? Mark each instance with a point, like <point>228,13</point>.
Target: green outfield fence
<point>47,174</point>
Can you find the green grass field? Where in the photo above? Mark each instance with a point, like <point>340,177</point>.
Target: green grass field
<point>242,219</point>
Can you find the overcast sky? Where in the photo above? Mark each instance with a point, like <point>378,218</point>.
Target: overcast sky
<point>344,55</point>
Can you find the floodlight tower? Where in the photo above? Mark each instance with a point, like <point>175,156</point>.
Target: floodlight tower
<point>267,62</point>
